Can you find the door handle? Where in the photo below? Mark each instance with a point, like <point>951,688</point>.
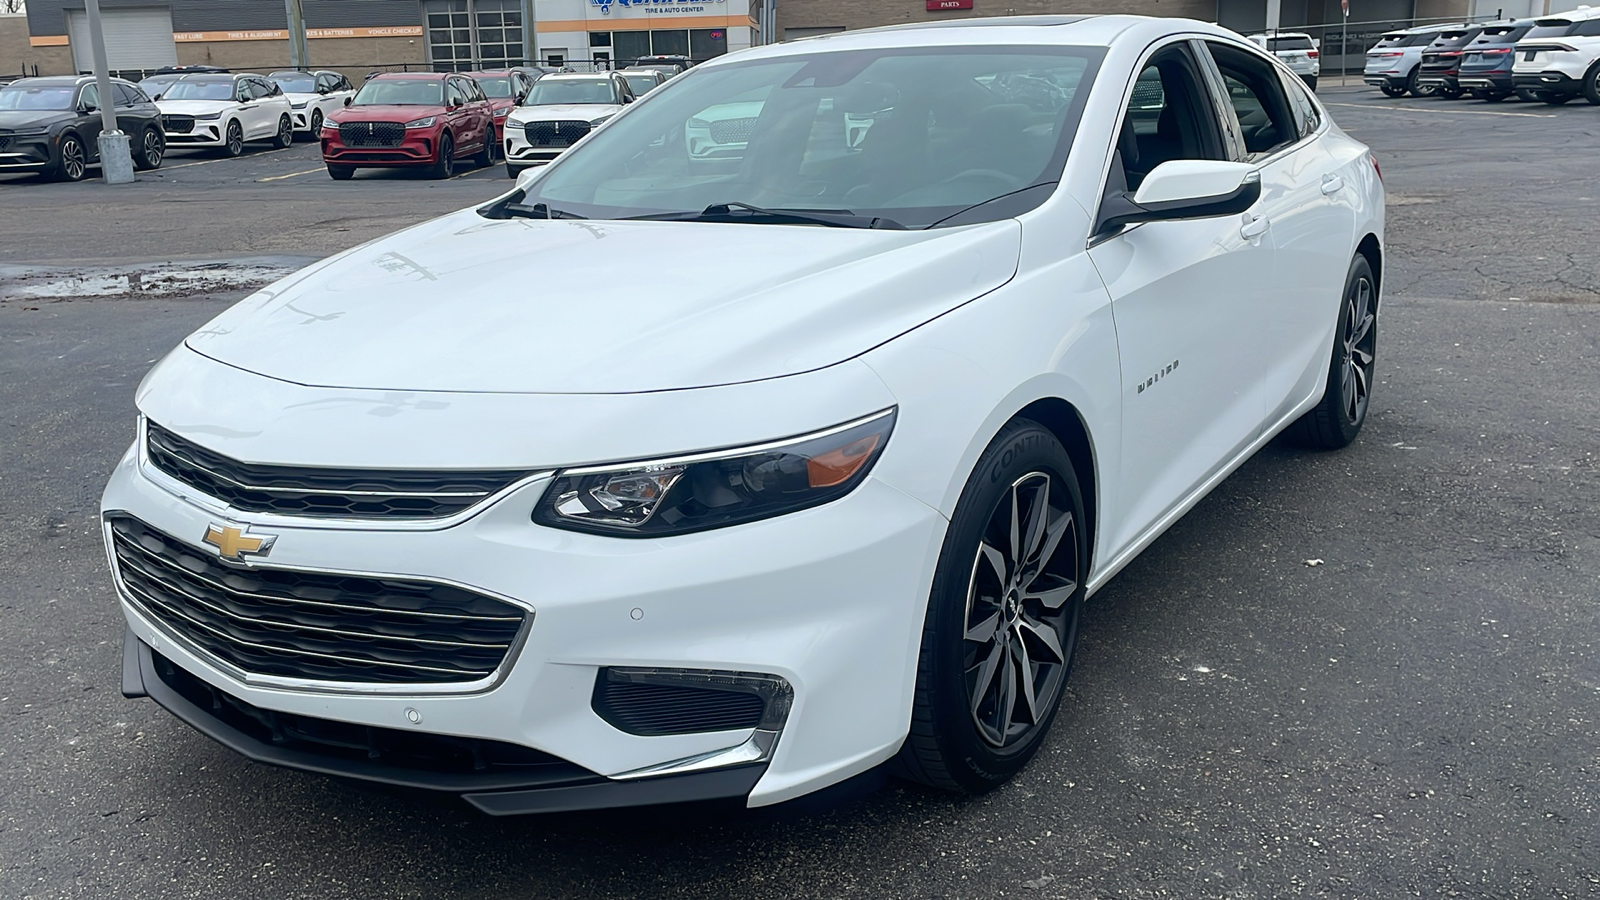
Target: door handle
<point>1254,227</point>
<point>1331,184</point>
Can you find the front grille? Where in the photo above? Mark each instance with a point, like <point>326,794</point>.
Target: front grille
<point>372,134</point>
<point>369,749</point>
<point>177,124</point>
<point>555,134</point>
<point>319,492</point>
<point>321,626</point>
<point>732,131</point>
<point>671,704</point>
<point>5,141</point>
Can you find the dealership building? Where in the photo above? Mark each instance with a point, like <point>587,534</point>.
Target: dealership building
<point>361,36</point>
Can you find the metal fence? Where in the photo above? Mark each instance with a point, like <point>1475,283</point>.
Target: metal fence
<point>1343,46</point>
<point>368,69</point>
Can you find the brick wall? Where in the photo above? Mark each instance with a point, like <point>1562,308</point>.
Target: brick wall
<point>859,14</point>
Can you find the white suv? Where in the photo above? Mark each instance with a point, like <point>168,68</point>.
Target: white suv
<point>1393,62</point>
<point>1298,51</point>
<point>225,111</point>
<point>560,111</point>
<point>1560,68</point>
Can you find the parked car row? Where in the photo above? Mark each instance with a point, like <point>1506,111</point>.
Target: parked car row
<point>51,125</point>
<point>1553,59</point>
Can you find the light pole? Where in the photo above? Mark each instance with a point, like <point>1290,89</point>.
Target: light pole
<point>116,163</point>
<point>299,53</point>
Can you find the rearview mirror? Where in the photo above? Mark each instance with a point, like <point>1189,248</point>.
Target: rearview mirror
<point>1185,189</point>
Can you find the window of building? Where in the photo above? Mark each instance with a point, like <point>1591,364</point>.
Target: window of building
<point>473,34</point>
<point>626,47</point>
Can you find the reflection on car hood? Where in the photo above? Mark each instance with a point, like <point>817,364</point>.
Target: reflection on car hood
<point>465,303</point>
<point>20,119</point>
<point>380,113</point>
<point>551,111</point>
<point>193,107</point>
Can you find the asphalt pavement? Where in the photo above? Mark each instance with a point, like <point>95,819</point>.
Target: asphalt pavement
<point>1365,674</point>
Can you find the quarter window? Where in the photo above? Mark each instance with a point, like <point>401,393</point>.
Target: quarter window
<point>1259,102</point>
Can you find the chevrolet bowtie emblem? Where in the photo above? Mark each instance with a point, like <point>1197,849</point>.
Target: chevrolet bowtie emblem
<point>232,543</point>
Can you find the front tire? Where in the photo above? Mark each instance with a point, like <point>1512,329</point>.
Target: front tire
<point>315,124</point>
<point>1336,420</point>
<point>514,171</point>
<point>233,140</point>
<point>445,166</point>
<point>340,173</point>
<point>73,161</point>
<point>1002,620</point>
<point>151,150</point>
<point>1555,99</point>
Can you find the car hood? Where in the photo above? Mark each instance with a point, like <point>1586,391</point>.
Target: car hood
<point>465,303</point>
<point>193,107</point>
<point>551,111</point>
<point>19,119</point>
<point>384,113</point>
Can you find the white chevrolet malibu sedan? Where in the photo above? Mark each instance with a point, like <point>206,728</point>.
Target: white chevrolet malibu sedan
<point>670,476</point>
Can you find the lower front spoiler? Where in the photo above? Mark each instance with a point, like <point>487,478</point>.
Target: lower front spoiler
<point>567,789</point>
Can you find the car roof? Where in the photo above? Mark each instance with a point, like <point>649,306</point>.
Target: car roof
<point>213,77</point>
<point>1065,31</point>
<point>579,76</point>
<point>1279,34</point>
<point>1581,14</point>
<point>412,76</point>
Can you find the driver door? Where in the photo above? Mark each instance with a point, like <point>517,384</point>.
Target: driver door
<point>1187,299</point>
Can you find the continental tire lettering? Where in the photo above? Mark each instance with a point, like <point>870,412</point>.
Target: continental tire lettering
<point>1010,453</point>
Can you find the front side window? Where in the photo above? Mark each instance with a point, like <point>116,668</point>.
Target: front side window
<point>401,92</point>
<point>1256,93</point>
<point>909,135</point>
<point>90,98</point>
<point>1168,117</point>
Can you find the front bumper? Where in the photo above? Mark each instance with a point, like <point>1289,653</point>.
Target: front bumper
<point>27,153</point>
<point>830,600</point>
<point>514,138</point>
<point>204,134</point>
<point>419,149</point>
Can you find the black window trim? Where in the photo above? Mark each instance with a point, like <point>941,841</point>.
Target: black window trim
<point>1220,89</point>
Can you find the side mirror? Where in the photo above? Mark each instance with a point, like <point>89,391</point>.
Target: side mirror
<point>155,98</point>
<point>526,177</point>
<point>521,99</point>
<point>347,100</point>
<point>323,90</point>
<point>86,108</point>
<point>455,104</point>
<point>1185,189</point>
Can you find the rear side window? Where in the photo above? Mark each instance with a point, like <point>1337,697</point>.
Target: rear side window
<point>1590,28</point>
<point>1306,117</point>
<point>1390,40</point>
<point>1419,40</point>
<point>1550,30</point>
<point>1258,99</point>
<point>1501,35</point>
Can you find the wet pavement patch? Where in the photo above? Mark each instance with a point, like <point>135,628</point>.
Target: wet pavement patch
<point>162,280</point>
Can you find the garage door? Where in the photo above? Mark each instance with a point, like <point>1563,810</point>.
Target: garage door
<point>136,38</point>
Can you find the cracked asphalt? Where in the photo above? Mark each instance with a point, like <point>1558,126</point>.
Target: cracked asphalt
<point>1417,715</point>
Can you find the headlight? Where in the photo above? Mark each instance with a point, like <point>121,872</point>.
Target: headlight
<point>421,123</point>
<point>208,117</point>
<point>501,113</point>
<point>301,105</point>
<point>30,132</point>
<point>598,122</point>
<point>697,492</point>
<point>698,122</point>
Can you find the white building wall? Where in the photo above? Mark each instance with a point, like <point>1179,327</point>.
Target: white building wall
<point>564,25</point>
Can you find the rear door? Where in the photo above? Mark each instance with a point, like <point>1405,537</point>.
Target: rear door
<point>1308,219</point>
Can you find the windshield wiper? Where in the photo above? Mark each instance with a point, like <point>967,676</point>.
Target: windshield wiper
<point>511,207</point>
<point>744,212</point>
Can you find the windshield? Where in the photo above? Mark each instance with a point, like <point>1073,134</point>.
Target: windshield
<point>641,83</point>
<point>21,97</point>
<point>909,135</point>
<point>495,86</point>
<point>547,91</point>
<point>199,90</point>
<point>400,92</point>
<point>1289,43</point>
<point>296,83</point>
<point>156,83</point>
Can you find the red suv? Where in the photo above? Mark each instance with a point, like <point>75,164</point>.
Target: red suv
<point>506,89</point>
<point>403,119</point>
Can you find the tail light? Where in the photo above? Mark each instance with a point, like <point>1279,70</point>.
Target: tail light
<point>1374,160</point>
<point>1311,53</point>
<point>1385,55</point>
<point>1490,50</point>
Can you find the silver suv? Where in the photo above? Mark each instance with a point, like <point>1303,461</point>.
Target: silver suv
<point>1393,62</point>
<point>1298,51</point>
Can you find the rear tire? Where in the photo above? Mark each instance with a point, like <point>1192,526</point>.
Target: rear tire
<point>1336,420</point>
<point>1415,89</point>
<point>485,157</point>
<point>1311,82</point>
<point>341,173</point>
<point>445,166</point>
<point>1002,620</point>
<point>1490,96</point>
<point>1591,86</point>
<point>1555,99</point>
<point>1449,93</point>
<point>1390,90</point>
<point>1526,96</point>
<point>152,148</point>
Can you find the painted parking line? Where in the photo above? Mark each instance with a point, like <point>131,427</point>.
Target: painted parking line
<point>295,174</point>
<point>1447,112</point>
<point>207,162</point>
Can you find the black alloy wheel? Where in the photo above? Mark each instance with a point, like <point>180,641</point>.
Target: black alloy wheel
<point>1418,90</point>
<point>1527,96</point>
<point>1390,90</point>
<point>316,124</point>
<point>285,134</point>
<point>74,159</point>
<point>151,150</point>
<point>445,166</point>
<point>1002,621</point>
<point>485,157</point>
<point>234,139</point>
<point>1336,420</point>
